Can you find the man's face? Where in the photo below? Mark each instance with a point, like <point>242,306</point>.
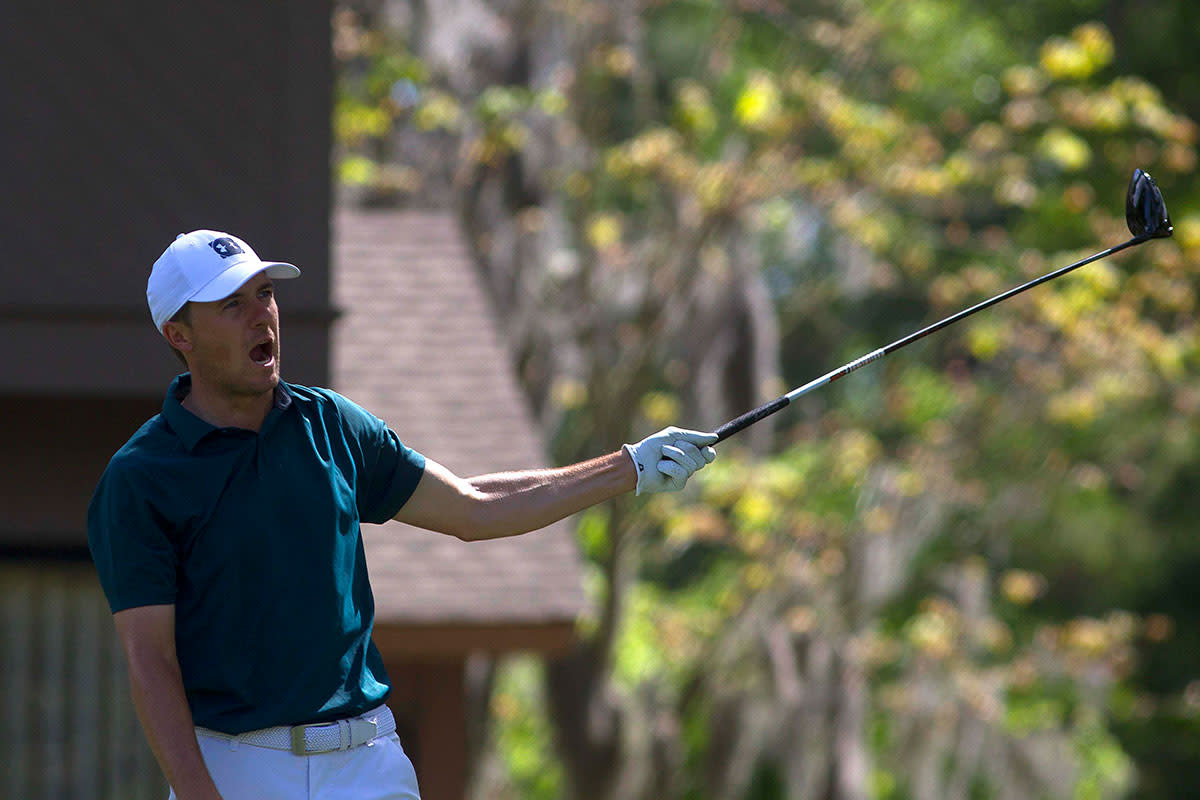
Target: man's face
<point>235,341</point>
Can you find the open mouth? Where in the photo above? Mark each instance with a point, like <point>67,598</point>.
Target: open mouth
<point>263,353</point>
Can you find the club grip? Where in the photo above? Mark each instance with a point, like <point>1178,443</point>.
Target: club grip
<point>750,417</point>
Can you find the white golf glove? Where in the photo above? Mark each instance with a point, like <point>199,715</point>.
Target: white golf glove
<point>667,459</point>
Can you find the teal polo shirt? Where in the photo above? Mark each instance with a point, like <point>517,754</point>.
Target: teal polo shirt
<point>254,538</point>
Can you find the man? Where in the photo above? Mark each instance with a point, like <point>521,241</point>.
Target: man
<point>226,536</point>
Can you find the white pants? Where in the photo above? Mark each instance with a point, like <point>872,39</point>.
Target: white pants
<point>378,770</point>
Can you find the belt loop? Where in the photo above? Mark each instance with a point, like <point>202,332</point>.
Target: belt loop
<point>344,733</point>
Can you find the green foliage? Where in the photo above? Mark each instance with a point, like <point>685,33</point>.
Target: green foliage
<point>523,734</point>
<point>1106,766</point>
<point>1000,518</point>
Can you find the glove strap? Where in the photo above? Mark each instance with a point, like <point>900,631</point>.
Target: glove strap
<point>632,451</point>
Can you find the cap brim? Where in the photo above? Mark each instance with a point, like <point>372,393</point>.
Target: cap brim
<point>232,279</point>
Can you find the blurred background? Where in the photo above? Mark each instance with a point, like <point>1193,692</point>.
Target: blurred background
<point>966,571</point>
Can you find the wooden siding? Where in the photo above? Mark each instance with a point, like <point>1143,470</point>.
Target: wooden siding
<point>67,721</point>
<point>69,725</point>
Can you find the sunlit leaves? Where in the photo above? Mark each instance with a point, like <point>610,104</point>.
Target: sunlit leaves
<point>568,393</point>
<point>500,104</point>
<point>439,111</point>
<point>1101,111</point>
<point>759,105</point>
<point>1068,151</point>
<point>753,510</point>
<point>934,630</point>
<point>714,186</point>
<point>985,339</point>
<point>696,524</point>
<point>1021,586</point>
<point>1187,232</point>
<point>931,162</point>
<point>1089,49</point>
<point>694,110</point>
<point>604,231</point>
<point>1023,80</point>
<point>661,408</point>
<point>355,122</point>
<point>357,170</point>
<point>648,153</point>
<point>854,452</point>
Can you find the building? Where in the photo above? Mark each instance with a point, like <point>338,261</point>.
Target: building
<point>127,128</point>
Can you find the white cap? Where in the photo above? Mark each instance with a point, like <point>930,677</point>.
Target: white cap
<point>204,266</point>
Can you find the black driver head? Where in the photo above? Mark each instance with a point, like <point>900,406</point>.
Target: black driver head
<point>1145,211</point>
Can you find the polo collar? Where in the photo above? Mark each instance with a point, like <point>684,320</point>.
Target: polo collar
<point>191,429</point>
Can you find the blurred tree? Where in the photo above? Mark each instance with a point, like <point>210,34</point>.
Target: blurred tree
<point>919,585</point>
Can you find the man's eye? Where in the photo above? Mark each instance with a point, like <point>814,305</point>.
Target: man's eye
<point>231,304</point>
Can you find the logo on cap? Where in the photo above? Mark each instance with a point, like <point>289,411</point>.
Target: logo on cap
<point>226,247</point>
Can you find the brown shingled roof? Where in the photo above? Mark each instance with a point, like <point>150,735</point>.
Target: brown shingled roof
<point>418,345</point>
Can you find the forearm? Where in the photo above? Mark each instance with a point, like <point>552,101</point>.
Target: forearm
<point>525,480</point>
<point>518,502</point>
<point>162,707</point>
<point>508,503</point>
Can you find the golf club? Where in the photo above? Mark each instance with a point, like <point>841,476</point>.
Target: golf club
<point>1146,216</point>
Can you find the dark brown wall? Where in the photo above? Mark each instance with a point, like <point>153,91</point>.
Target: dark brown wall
<point>52,452</point>
<point>429,701</point>
<point>128,123</point>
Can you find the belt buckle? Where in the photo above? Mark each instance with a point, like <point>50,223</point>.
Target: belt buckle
<point>354,733</point>
<point>300,742</point>
<point>299,746</point>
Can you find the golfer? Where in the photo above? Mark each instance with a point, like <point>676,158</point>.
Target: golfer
<point>226,536</point>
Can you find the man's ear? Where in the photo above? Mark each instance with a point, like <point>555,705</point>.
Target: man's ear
<point>179,335</point>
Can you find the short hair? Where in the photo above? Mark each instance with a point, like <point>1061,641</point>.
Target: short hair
<point>183,315</point>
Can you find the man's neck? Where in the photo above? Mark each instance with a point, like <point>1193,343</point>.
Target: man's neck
<point>224,410</point>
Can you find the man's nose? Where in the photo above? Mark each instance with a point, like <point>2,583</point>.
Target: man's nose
<point>262,314</point>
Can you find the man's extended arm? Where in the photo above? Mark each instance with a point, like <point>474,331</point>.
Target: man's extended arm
<point>509,503</point>
<point>147,634</point>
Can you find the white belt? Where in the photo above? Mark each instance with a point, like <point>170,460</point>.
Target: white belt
<point>319,737</point>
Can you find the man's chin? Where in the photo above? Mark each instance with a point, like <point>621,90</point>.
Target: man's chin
<point>270,382</point>
<point>261,384</point>
<point>267,375</point>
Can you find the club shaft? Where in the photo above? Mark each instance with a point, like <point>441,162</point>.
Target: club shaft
<point>767,409</point>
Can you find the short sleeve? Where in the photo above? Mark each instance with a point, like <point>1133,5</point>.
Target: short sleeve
<point>388,471</point>
<point>130,543</point>
<point>398,470</point>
